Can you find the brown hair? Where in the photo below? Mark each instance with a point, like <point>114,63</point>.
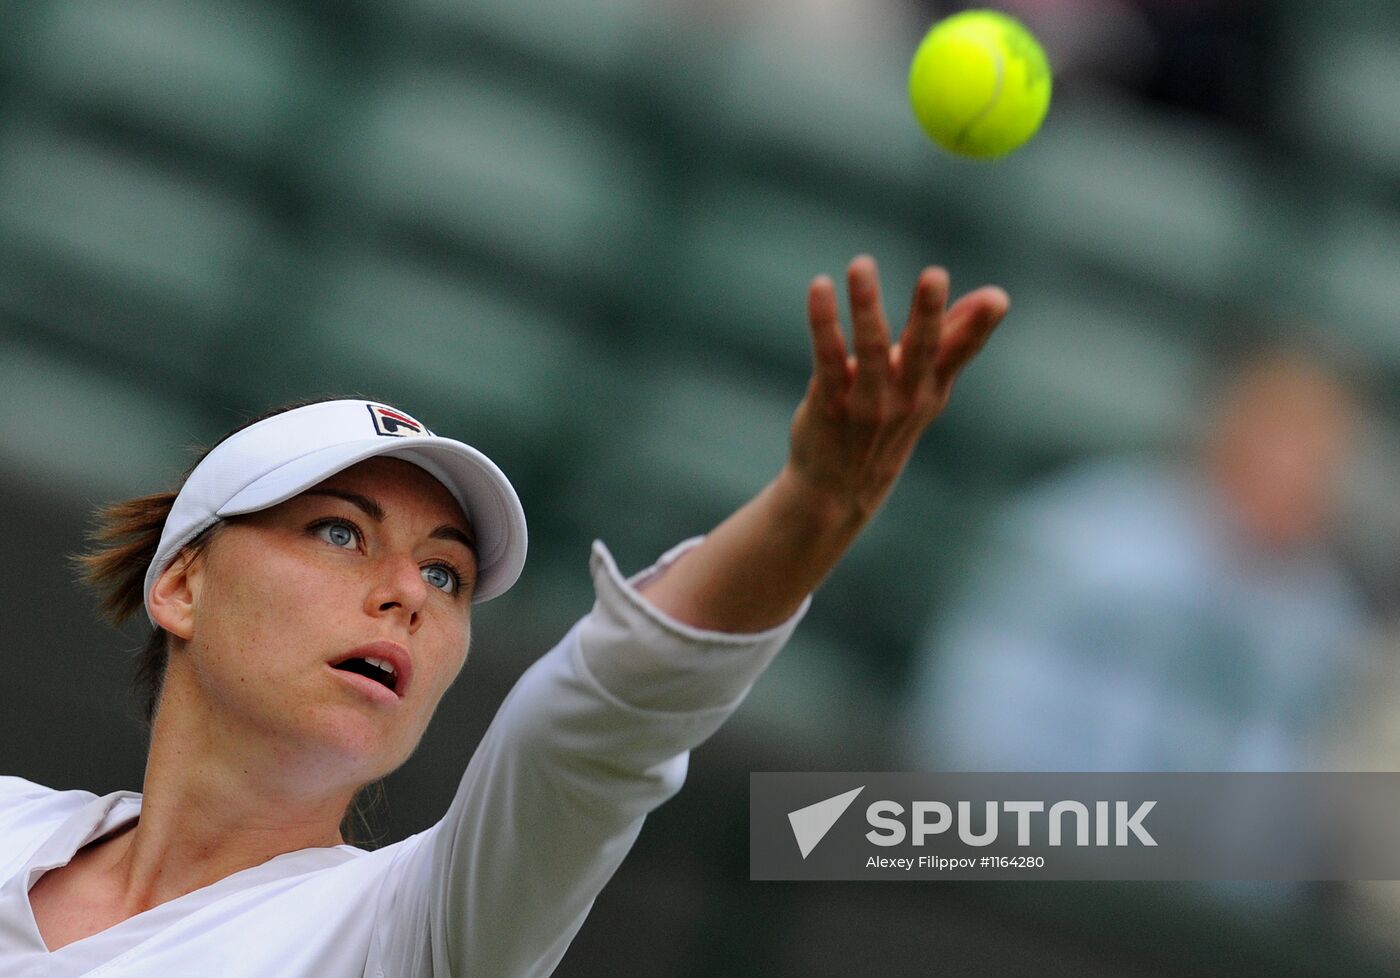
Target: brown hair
<point>125,540</point>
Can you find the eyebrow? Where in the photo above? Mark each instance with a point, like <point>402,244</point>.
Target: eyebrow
<point>375,511</point>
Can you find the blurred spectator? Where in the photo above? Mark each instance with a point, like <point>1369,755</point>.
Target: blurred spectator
<point>1218,58</point>
<point>1158,615</point>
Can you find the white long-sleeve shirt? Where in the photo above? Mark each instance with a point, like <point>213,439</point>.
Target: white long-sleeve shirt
<point>595,735</point>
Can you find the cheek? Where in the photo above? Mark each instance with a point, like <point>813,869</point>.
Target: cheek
<point>267,604</point>
<point>456,647</point>
<point>450,659</point>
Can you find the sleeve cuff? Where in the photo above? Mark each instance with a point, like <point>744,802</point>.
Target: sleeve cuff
<point>650,660</point>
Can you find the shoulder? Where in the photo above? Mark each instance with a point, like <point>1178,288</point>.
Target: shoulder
<point>14,791</point>
<point>23,802</point>
<point>1120,484</point>
<point>29,814</point>
<point>1105,505</point>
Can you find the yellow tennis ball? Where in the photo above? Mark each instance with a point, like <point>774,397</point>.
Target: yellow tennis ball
<point>980,84</point>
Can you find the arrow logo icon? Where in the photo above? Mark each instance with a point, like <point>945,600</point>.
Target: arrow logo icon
<point>811,824</point>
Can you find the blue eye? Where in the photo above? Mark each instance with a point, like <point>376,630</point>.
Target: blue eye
<point>441,577</point>
<point>337,534</point>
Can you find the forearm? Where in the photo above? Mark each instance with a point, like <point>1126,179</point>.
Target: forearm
<point>753,571</point>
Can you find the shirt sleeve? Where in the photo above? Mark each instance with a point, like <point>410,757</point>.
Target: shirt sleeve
<point>593,736</point>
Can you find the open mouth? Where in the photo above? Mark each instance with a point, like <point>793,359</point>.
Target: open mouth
<point>382,668</point>
<point>376,669</point>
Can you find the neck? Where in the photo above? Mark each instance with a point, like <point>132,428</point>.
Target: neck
<point>214,805</point>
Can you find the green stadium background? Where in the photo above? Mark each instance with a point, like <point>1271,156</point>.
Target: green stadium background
<point>577,235</point>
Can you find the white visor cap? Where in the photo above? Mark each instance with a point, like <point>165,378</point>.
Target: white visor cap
<point>271,461</point>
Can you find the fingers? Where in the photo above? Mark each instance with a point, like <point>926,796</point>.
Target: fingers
<point>919,343</point>
<point>966,327</point>
<point>828,348</point>
<point>871,336</point>
<point>937,342</point>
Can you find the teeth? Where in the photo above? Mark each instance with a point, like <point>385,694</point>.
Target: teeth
<point>380,663</point>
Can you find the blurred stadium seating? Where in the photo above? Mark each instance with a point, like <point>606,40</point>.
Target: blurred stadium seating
<point>579,235</point>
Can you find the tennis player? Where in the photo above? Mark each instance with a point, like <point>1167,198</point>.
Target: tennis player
<point>310,588</point>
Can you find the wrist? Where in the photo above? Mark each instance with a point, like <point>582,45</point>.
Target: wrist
<point>817,509</point>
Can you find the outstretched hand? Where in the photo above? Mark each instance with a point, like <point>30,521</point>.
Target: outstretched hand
<point>851,436</point>
<point>864,411</point>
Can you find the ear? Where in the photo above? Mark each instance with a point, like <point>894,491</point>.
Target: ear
<point>175,592</point>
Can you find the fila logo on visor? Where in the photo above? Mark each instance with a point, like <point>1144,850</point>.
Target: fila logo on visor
<point>388,421</point>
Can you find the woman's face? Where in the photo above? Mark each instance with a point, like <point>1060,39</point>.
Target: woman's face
<point>375,553</point>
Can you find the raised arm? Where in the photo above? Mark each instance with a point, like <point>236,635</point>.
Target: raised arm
<point>851,437</point>
<point>596,734</point>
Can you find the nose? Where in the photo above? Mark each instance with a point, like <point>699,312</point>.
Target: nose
<point>398,591</point>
